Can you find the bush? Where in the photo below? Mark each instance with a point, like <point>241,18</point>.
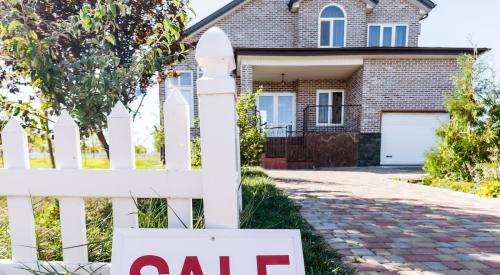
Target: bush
<point>490,189</point>
<point>252,137</point>
<point>469,148</point>
<point>196,153</point>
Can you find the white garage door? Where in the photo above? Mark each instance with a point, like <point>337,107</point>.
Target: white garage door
<point>406,137</point>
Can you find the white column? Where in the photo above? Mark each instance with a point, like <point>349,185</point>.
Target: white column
<point>122,156</point>
<point>217,96</point>
<point>72,210</point>
<point>20,209</point>
<point>178,153</point>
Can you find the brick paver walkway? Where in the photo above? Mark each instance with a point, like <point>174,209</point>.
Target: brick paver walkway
<point>391,227</point>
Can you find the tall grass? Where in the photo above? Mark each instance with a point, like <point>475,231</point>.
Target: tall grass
<point>266,207</point>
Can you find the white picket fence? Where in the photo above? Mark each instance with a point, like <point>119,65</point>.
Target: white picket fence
<point>217,183</point>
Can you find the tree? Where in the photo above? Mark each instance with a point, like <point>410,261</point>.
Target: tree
<point>84,57</point>
<point>252,136</point>
<point>472,138</point>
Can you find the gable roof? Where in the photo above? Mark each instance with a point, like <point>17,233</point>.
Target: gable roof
<point>427,4</point>
<point>214,16</point>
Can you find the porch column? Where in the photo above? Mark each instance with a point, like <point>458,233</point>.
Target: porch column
<point>246,78</point>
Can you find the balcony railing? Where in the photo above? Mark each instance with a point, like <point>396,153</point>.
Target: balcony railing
<point>332,119</point>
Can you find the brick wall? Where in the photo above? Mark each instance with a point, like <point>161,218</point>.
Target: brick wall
<point>409,84</point>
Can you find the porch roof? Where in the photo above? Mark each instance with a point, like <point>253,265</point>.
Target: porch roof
<point>338,63</point>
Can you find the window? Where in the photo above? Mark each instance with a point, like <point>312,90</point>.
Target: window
<point>200,72</point>
<point>387,36</point>
<point>277,111</point>
<point>184,82</point>
<point>332,25</point>
<point>330,108</point>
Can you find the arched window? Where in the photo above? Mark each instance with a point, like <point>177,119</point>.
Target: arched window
<point>332,25</point>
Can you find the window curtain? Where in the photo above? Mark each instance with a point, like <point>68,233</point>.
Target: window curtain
<point>338,33</point>
<point>387,41</point>
<point>325,33</point>
<point>323,102</point>
<point>401,36</point>
<point>374,40</point>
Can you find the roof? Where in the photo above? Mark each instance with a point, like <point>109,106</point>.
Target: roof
<point>292,2</point>
<point>212,17</point>
<point>235,3</point>
<point>357,51</point>
<point>427,3</point>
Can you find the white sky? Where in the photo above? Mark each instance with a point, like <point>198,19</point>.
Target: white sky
<point>453,23</point>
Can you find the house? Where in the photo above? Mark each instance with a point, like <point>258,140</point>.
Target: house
<point>344,82</point>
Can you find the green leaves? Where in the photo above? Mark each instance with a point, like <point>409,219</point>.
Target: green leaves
<point>471,139</point>
<point>13,25</point>
<point>111,39</point>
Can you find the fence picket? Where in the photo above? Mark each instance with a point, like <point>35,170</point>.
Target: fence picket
<point>218,183</point>
<point>72,210</point>
<point>122,156</point>
<point>217,96</point>
<point>20,209</point>
<point>178,153</point>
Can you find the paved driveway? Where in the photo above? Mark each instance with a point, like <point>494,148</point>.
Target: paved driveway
<point>385,226</point>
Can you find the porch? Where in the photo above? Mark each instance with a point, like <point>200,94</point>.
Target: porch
<point>310,108</point>
<point>315,144</point>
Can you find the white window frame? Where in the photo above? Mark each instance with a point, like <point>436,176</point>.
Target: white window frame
<point>330,98</point>
<point>393,26</point>
<point>276,107</point>
<point>331,20</point>
<point>191,103</point>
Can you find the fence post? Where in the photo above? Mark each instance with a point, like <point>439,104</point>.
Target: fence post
<point>217,96</point>
<point>72,210</point>
<point>20,209</point>
<point>122,156</point>
<point>178,153</point>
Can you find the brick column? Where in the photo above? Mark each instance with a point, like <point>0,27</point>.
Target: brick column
<point>246,78</point>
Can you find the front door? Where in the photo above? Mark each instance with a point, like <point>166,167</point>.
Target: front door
<point>277,112</point>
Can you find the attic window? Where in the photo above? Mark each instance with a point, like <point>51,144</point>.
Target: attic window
<point>332,27</point>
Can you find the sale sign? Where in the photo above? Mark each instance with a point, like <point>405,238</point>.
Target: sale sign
<point>207,252</point>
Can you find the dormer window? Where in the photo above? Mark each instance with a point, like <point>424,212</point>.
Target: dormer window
<point>332,27</point>
<point>387,35</point>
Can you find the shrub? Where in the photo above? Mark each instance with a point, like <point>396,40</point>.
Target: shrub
<point>470,142</point>
<point>196,153</point>
<point>252,137</point>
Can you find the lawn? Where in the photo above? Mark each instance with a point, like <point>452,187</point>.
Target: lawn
<point>266,207</point>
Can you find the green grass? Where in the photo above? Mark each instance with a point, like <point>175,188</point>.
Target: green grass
<point>490,188</point>
<point>99,163</point>
<point>266,207</point>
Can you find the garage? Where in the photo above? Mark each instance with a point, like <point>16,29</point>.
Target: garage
<point>406,137</point>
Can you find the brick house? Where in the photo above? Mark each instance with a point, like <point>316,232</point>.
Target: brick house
<point>344,82</point>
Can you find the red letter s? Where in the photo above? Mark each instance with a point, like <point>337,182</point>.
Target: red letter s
<point>264,261</point>
<point>149,260</point>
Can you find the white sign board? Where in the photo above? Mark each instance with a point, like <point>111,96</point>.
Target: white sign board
<point>207,252</point>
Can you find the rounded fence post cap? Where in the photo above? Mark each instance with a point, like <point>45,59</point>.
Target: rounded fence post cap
<point>214,44</point>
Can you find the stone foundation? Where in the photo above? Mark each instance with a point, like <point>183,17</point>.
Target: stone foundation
<point>369,149</point>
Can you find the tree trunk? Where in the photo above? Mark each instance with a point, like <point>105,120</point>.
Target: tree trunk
<point>49,141</point>
<point>103,141</point>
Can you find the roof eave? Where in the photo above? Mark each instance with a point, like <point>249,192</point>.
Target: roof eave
<point>358,51</point>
